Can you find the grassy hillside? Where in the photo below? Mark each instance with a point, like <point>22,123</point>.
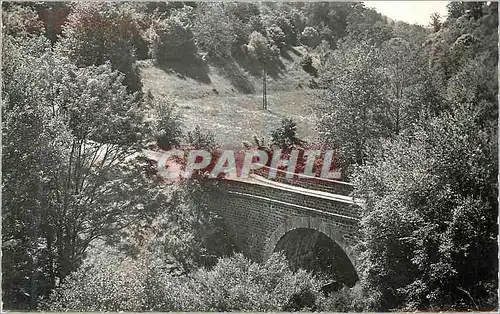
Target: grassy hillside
<point>226,98</point>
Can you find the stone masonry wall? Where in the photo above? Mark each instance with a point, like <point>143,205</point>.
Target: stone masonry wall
<point>253,212</point>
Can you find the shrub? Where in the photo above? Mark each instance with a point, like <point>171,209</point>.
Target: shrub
<point>171,40</point>
<point>285,137</point>
<point>107,283</point>
<point>95,33</point>
<point>236,283</point>
<point>110,283</point>
<point>20,20</point>
<point>199,139</point>
<point>168,124</point>
<point>307,65</point>
<point>355,299</point>
<point>310,36</point>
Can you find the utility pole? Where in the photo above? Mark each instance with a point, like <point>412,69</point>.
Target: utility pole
<point>264,89</point>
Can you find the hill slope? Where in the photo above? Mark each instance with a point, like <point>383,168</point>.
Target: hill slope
<point>226,99</point>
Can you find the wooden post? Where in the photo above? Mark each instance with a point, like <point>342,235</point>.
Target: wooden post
<point>264,89</point>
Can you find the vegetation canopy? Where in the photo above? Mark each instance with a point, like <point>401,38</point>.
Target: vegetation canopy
<point>94,93</point>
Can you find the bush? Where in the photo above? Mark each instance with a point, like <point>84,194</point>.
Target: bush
<point>107,283</point>
<point>199,139</point>
<point>168,127</point>
<point>97,33</point>
<point>20,20</point>
<point>355,299</point>
<point>307,65</point>
<point>285,137</point>
<point>171,40</point>
<point>110,283</point>
<point>236,283</point>
<point>310,36</point>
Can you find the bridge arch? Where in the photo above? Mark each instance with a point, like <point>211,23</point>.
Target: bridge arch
<point>314,244</point>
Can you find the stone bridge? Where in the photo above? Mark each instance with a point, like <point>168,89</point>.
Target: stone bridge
<point>314,222</point>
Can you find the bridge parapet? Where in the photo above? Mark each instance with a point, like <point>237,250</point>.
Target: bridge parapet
<point>308,182</point>
<point>342,206</point>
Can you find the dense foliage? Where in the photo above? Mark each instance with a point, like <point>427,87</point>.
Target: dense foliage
<point>414,119</point>
<point>88,224</point>
<point>94,34</point>
<point>145,284</point>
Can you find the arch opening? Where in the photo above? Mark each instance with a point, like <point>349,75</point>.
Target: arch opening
<point>314,251</point>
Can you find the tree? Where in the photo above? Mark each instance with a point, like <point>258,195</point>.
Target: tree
<point>367,25</point>
<point>285,137</point>
<point>19,20</point>
<point>352,115</point>
<point>436,21</point>
<point>171,39</point>
<point>213,30</point>
<point>429,229</point>
<point>69,177</point>
<point>310,36</point>
<point>94,34</point>
<point>245,17</point>
<point>403,68</point>
<point>455,9</point>
<point>331,16</point>
<point>168,124</point>
<point>265,52</point>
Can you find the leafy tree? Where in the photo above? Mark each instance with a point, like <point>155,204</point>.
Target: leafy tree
<point>329,18</point>
<point>352,116</point>
<point>213,29</point>
<point>367,25</point>
<point>276,35</point>
<point>261,49</point>
<point>429,221</point>
<point>285,137</point>
<point>416,35</point>
<point>310,36</point>
<point>168,124</point>
<point>245,17</point>
<point>53,15</point>
<point>455,9</point>
<point>403,69</point>
<point>77,182</point>
<point>19,20</point>
<point>94,34</point>
<point>436,21</point>
<point>171,39</point>
<point>281,16</point>
<point>194,234</point>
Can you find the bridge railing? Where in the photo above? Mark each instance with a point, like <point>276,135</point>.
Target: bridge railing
<point>307,182</point>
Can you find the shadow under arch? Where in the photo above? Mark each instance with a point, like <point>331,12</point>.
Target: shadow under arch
<point>314,245</point>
